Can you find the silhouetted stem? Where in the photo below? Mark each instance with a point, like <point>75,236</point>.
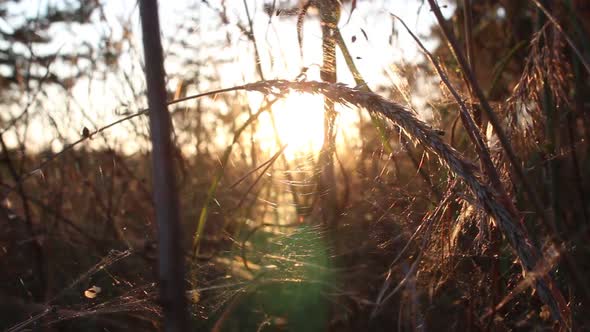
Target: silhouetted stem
<point>171,259</point>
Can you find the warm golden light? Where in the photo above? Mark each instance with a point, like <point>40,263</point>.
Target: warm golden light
<point>299,123</point>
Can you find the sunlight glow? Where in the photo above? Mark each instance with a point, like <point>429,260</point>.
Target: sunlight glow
<point>299,122</point>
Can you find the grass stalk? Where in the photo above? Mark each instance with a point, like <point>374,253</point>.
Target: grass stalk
<point>529,256</point>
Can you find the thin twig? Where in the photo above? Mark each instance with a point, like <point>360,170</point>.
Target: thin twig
<point>112,124</point>
<point>266,165</point>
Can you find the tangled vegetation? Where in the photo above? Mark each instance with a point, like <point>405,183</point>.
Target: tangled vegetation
<point>446,192</point>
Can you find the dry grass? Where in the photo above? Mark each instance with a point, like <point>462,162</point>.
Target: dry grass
<point>419,248</point>
<point>529,256</point>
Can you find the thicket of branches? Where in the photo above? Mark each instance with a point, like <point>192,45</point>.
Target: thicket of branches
<point>464,208</point>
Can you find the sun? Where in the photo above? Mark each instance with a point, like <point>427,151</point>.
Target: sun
<point>299,123</point>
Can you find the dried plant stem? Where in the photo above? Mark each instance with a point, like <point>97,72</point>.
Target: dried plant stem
<point>493,118</point>
<point>471,127</point>
<point>266,165</point>
<point>529,256</point>
<point>329,16</point>
<point>170,252</point>
<point>563,311</point>
<point>469,52</point>
<point>258,63</point>
<point>548,109</point>
<point>82,139</point>
<point>219,174</point>
<point>378,122</point>
<point>425,226</point>
<point>565,36</point>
